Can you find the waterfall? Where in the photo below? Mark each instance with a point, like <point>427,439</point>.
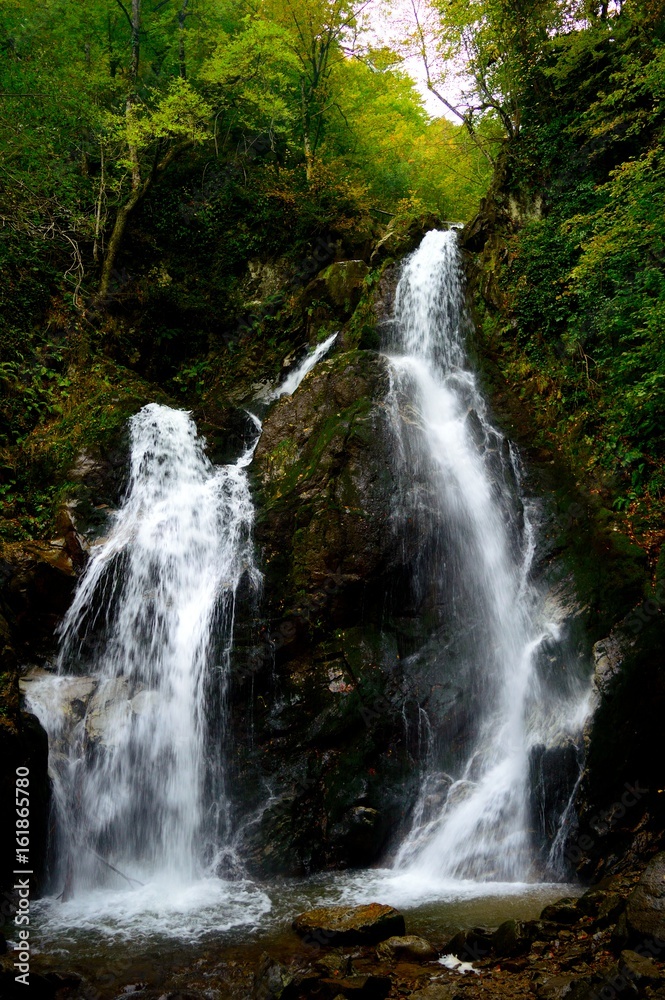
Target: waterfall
<point>295,377</point>
<point>144,654</point>
<point>473,532</point>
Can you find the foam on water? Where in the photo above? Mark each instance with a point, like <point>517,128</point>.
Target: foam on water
<point>158,910</point>
<point>143,668</point>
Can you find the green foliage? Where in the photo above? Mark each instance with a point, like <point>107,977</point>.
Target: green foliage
<point>145,168</point>
<point>586,280</point>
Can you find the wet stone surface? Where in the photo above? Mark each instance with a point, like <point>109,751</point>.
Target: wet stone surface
<point>544,958</point>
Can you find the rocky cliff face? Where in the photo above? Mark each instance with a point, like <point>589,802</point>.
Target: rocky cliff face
<point>619,803</point>
<point>337,664</point>
<point>326,735</point>
<point>37,583</point>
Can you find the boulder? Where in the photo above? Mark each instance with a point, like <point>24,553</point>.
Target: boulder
<point>564,911</point>
<point>410,947</point>
<point>272,981</point>
<point>513,937</point>
<point>602,906</point>
<point>471,944</point>
<point>639,969</point>
<point>645,910</point>
<point>332,925</point>
<point>438,991</point>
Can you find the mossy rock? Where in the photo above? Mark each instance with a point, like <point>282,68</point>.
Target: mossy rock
<point>325,484</point>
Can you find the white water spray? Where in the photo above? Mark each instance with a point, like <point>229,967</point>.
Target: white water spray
<point>476,535</point>
<point>295,377</point>
<point>151,625</point>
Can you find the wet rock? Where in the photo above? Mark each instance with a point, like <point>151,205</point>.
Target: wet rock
<point>334,964</point>
<point>603,907</point>
<point>38,580</point>
<point>513,937</point>
<point>42,986</point>
<point>645,910</point>
<point>325,491</point>
<point>326,487</point>
<point>620,936</point>
<point>99,473</point>
<point>553,773</point>
<point>435,794</point>
<point>639,969</point>
<point>564,911</point>
<point>358,832</point>
<point>561,988</point>
<point>608,655</point>
<point>402,237</point>
<point>109,711</point>
<point>470,945</point>
<point>409,947</point>
<point>72,693</point>
<point>272,981</point>
<point>360,987</point>
<point>438,991</point>
<point>341,284</point>
<point>328,925</point>
<point>459,792</point>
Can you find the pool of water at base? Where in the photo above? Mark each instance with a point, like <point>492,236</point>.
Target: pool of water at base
<point>147,932</point>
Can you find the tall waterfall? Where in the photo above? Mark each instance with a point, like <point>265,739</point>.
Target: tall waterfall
<point>133,788</point>
<point>473,534</point>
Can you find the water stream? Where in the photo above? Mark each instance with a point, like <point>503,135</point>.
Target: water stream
<point>473,530</point>
<point>140,801</point>
<point>138,775</point>
<point>142,808</point>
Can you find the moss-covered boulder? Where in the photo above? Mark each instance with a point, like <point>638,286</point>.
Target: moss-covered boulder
<point>366,924</point>
<point>325,488</point>
<point>327,732</point>
<point>341,285</point>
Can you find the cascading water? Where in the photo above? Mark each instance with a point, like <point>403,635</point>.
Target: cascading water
<point>129,769</point>
<point>295,377</point>
<point>473,532</point>
<point>137,768</point>
<point>135,712</point>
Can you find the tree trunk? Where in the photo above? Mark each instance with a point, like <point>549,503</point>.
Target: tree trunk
<point>138,192</point>
<point>182,19</point>
<point>115,240</point>
<point>136,41</point>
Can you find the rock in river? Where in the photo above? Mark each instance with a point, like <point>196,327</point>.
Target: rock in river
<point>328,925</point>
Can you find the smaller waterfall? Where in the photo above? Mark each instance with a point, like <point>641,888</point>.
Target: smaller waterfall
<point>295,377</point>
<point>145,648</point>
